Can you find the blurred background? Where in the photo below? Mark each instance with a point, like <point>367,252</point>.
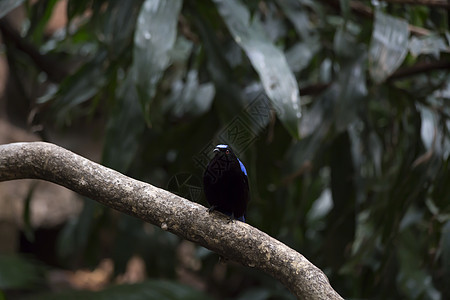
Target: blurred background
<point>340,111</point>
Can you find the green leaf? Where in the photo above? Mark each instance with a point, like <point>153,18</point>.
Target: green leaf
<point>190,97</point>
<point>433,135</point>
<point>432,44</point>
<point>350,89</point>
<point>228,92</point>
<point>148,290</point>
<point>345,8</point>
<point>274,27</point>
<point>445,248</point>
<point>388,47</point>
<point>321,207</point>
<point>344,43</point>
<point>77,7</point>
<point>123,129</point>
<point>300,54</point>
<point>297,14</point>
<point>269,62</point>
<point>17,272</point>
<point>77,235</point>
<point>413,280</point>
<point>153,40</point>
<point>8,5</point>
<point>116,26</point>
<point>40,17</point>
<point>216,62</point>
<point>28,229</point>
<point>78,88</point>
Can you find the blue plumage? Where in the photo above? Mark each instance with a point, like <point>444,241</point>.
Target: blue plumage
<point>243,169</point>
<point>225,183</point>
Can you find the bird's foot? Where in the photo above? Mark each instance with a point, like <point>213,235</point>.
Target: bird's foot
<point>212,208</point>
<point>223,259</point>
<point>231,219</point>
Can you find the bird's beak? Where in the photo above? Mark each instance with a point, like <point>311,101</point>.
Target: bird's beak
<point>216,150</point>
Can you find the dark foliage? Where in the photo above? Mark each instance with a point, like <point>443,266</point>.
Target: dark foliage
<point>341,111</point>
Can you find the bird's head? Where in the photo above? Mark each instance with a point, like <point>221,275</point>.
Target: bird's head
<point>225,151</point>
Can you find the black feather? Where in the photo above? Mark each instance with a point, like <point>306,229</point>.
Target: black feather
<point>225,183</point>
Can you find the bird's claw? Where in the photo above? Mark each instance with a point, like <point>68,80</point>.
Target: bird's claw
<point>231,219</point>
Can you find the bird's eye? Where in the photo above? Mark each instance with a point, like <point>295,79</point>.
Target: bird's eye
<point>227,151</point>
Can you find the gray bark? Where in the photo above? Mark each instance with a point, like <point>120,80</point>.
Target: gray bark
<point>236,241</point>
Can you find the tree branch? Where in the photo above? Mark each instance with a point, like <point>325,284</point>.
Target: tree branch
<point>421,67</point>
<point>237,241</point>
<point>46,63</point>
<point>401,73</point>
<point>366,11</point>
<point>438,3</point>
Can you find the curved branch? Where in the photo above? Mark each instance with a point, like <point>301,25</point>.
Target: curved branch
<point>419,68</point>
<point>237,241</point>
<point>46,63</point>
<point>438,3</point>
<point>363,10</point>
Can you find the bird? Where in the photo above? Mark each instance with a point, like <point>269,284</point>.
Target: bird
<point>225,183</point>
